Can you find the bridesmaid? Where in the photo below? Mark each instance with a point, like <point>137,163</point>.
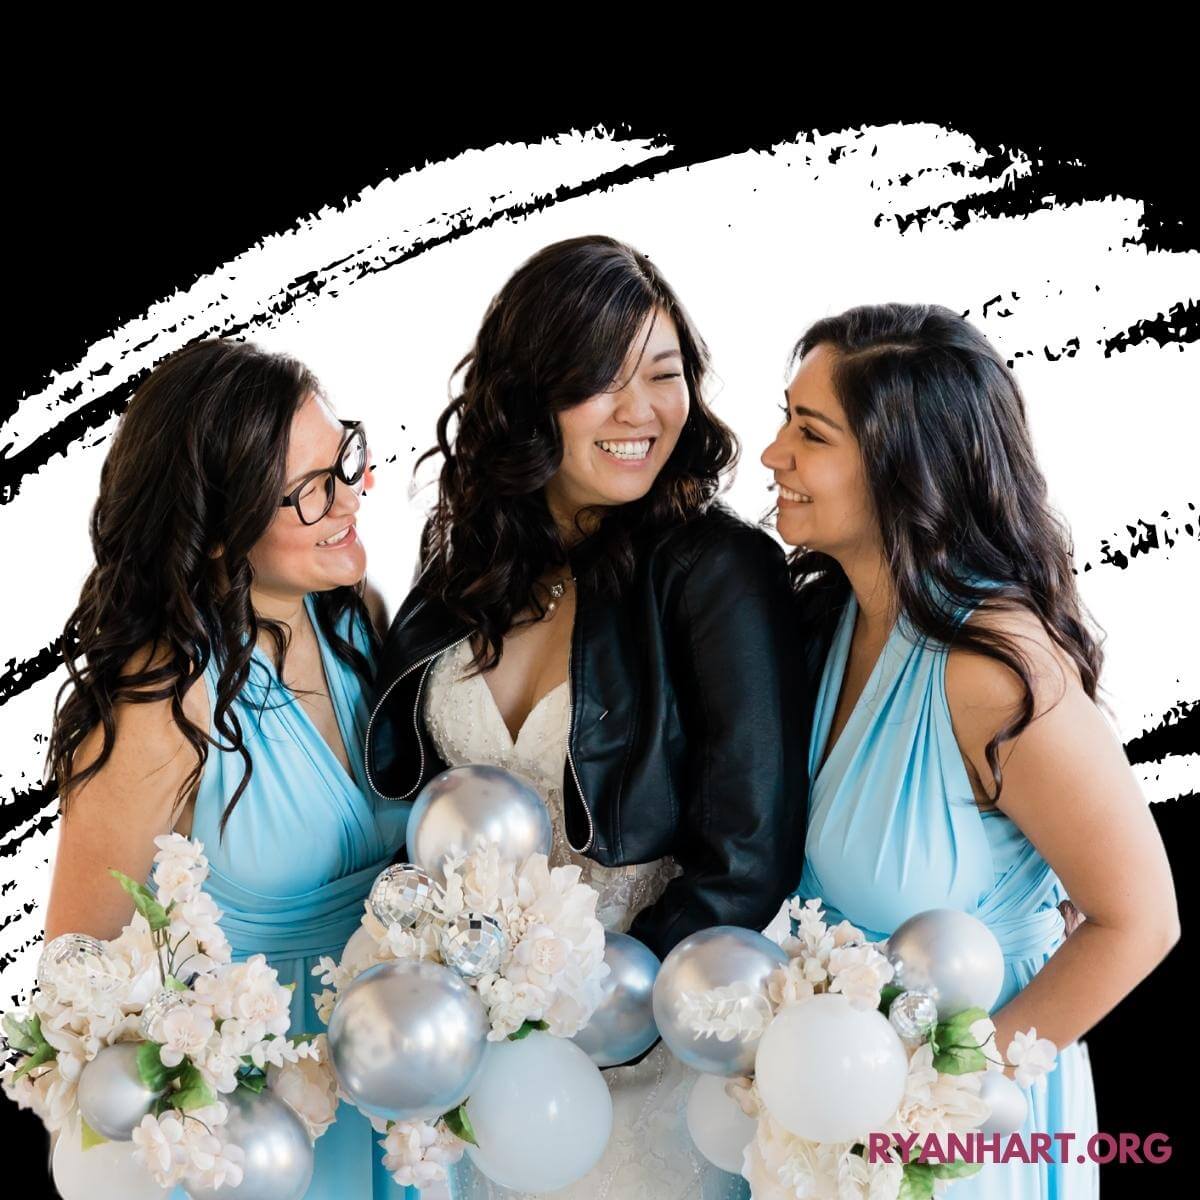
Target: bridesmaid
<point>220,655</point>
<point>958,757</point>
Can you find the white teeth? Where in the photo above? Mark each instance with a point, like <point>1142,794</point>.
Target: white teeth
<point>627,450</point>
<point>337,537</point>
<point>788,494</point>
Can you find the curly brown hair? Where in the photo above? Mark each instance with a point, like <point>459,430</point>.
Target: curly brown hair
<point>557,333</point>
<point>197,465</point>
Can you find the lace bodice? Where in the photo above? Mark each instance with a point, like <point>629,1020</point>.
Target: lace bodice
<point>466,727</point>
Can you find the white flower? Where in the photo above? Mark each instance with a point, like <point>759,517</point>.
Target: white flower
<point>735,1011</point>
<point>197,916</point>
<point>937,1103</point>
<point>741,1089</point>
<point>159,1147</point>
<point>984,1031</point>
<point>859,972</point>
<point>418,1153</point>
<point>184,1033</point>
<point>788,984</point>
<point>310,1087</point>
<point>1031,1055</point>
<point>858,1179</point>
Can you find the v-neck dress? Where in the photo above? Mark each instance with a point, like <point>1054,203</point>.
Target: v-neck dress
<point>301,849</point>
<point>893,829</point>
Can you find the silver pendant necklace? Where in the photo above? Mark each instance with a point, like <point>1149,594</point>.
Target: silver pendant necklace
<point>557,590</point>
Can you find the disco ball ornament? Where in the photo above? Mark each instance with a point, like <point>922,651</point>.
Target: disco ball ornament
<point>164,1001</point>
<point>70,953</point>
<point>913,1015</point>
<point>405,895</point>
<point>474,944</point>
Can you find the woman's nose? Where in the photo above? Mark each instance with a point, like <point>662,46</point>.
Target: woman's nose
<point>776,458</point>
<point>633,406</point>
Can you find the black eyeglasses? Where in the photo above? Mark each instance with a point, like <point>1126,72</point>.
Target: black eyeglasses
<point>313,496</point>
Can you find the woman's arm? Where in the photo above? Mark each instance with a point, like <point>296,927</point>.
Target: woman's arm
<point>1069,788</point>
<point>113,818</point>
<point>740,689</point>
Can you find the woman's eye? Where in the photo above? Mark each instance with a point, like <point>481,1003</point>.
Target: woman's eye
<point>809,436</point>
<point>668,375</point>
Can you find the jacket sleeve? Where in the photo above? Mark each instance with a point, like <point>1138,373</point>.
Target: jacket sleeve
<point>741,685</point>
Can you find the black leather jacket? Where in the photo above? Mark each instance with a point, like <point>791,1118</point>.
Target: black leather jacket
<point>689,723</point>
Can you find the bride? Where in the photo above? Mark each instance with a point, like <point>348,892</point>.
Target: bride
<point>588,615</point>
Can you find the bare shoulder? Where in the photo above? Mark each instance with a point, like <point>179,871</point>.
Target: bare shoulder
<point>985,694</point>
<point>146,735</point>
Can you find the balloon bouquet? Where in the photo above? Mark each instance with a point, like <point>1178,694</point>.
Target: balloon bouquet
<point>157,1061</point>
<point>472,1009</point>
<point>809,1047</point>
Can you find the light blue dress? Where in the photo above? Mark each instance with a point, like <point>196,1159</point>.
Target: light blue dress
<point>894,829</point>
<point>300,852</point>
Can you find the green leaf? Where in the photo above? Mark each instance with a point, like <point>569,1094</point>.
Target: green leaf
<point>959,1060</point>
<point>20,1034</point>
<point>144,901</point>
<point>959,1169</point>
<point>959,1026</point>
<point>88,1137</point>
<point>193,1091</point>
<point>887,994</point>
<point>175,985</point>
<point>459,1124</point>
<point>252,1083</point>
<point>43,1054</point>
<point>916,1183</point>
<point>527,1028</point>
<point>150,1067</point>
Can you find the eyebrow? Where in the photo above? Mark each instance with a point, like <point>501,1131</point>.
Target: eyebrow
<point>801,411</point>
<point>666,354</point>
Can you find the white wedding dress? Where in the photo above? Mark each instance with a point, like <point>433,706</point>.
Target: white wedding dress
<point>650,1155</point>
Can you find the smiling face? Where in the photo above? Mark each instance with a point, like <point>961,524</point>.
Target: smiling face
<point>616,442</point>
<point>823,503</point>
<point>291,558</point>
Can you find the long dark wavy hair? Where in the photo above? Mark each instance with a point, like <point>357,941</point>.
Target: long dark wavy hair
<point>192,481</point>
<point>955,487</point>
<point>557,333</point>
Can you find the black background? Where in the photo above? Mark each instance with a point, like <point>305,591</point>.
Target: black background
<point>117,204</point>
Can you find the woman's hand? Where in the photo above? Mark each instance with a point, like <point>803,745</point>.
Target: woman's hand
<point>112,819</point>
<point>1069,788</point>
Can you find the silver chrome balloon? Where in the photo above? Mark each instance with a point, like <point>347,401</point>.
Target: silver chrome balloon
<point>913,1015</point>
<point>278,1163</point>
<point>111,1095</point>
<point>404,895</point>
<point>162,1002</point>
<point>467,803</point>
<point>1008,1104</point>
<point>950,954</point>
<point>406,1039</point>
<point>474,943</point>
<point>623,1024</point>
<point>712,958</point>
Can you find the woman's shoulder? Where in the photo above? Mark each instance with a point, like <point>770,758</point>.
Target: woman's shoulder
<point>721,540</point>
<point>983,690</point>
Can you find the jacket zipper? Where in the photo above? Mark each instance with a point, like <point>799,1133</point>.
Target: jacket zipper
<point>571,762</point>
<point>416,709</point>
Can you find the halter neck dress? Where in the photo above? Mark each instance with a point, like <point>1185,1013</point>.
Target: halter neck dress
<point>893,829</point>
<point>300,852</point>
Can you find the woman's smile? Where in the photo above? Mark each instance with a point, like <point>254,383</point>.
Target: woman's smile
<point>634,452</point>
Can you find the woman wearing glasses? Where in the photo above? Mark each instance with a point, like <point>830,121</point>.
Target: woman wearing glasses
<point>220,656</point>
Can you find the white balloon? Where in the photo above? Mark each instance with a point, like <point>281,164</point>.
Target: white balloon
<point>1007,1102</point>
<point>830,1072</point>
<point>541,1112</point>
<point>104,1172</point>
<point>717,1124</point>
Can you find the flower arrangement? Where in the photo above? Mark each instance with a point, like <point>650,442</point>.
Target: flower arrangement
<point>139,1038</point>
<point>950,1079</point>
<point>523,935</point>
